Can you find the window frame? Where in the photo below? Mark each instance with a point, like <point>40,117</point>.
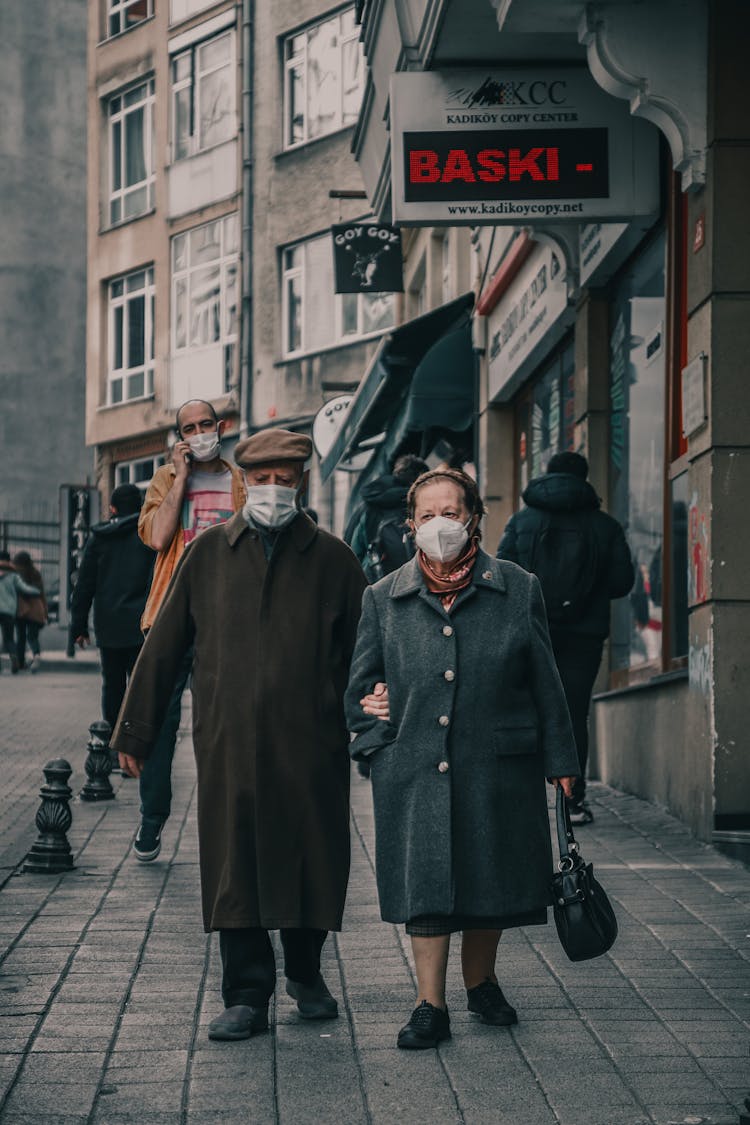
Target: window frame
<point>147,368</point>
<point>290,274</point>
<point>299,62</point>
<point>193,83</point>
<point>117,119</point>
<point>157,460</point>
<point>228,341</point>
<point>121,7</point>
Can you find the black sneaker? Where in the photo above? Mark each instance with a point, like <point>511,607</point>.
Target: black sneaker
<point>580,813</point>
<point>427,1026</point>
<point>487,1001</point>
<point>147,843</point>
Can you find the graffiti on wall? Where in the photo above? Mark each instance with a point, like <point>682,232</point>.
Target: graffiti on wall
<point>698,553</point>
<point>699,666</point>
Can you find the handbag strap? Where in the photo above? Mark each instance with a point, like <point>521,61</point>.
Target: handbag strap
<point>566,841</point>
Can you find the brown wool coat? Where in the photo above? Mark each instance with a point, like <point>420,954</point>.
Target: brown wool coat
<point>273,644</point>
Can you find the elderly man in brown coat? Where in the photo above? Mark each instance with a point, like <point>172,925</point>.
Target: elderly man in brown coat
<point>271,604</point>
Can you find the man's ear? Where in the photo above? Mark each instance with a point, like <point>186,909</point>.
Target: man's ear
<point>221,425</point>
<point>304,483</point>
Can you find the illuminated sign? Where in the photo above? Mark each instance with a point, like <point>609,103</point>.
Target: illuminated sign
<point>516,146</point>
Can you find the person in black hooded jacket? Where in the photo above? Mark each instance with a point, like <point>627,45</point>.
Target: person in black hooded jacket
<point>380,539</point>
<point>563,493</point>
<point>115,575</point>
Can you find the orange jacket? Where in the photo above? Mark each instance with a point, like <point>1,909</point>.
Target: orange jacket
<point>167,560</point>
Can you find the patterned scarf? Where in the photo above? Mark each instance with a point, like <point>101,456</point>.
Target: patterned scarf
<point>458,579</point>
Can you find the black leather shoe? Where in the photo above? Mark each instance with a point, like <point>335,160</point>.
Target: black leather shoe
<point>314,1001</point>
<point>238,1022</point>
<point>487,1001</point>
<point>427,1026</point>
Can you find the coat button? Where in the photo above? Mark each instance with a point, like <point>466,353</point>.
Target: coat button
<point>449,675</point>
<point>447,630</point>
<point>487,575</point>
<point>443,720</point>
<point>443,767</point>
<point>127,725</point>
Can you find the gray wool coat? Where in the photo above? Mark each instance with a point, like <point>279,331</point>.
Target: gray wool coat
<point>478,720</point>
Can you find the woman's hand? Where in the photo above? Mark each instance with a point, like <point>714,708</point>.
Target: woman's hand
<point>377,703</point>
<point>566,782</point>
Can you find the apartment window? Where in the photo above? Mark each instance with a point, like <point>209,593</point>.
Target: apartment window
<point>138,472</point>
<point>124,14</point>
<point>131,337</point>
<point>313,315</point>
<point>205,289</point>
<point>131,130</point>
<point>323,79</point>
<point>203,96</point>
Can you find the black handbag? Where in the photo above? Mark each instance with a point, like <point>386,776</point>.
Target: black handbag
<point>585,920</point>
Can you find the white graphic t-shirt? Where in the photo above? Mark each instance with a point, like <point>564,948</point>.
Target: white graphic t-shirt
<point>208,501</point>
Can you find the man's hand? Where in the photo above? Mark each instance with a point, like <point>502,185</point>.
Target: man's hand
<point>181,459</point>
<point>566,782</point>
<point>377,703</point>
<point>83,640</point>
<point>132,766</point>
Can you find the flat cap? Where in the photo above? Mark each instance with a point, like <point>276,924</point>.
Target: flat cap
<point>273,444</point>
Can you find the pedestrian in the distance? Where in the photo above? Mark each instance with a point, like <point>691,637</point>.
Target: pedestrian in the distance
<point>115,577</point>
<point>381,539</point>
<point>11,586</point>
<point>31,616</point>
<point>582,560</point>
<point>269,603</point>
<point>456,703</point>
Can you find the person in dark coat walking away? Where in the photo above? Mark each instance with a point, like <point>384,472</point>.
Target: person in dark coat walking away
<point>582,559</point>
<point>11,585</point>
<point>381,538</point>
<point>270,604</point>
<point>31,616</point>
<point>456,702</point>
<point>115,576</point>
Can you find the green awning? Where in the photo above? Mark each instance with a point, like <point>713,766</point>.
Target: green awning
<point>389,379</point>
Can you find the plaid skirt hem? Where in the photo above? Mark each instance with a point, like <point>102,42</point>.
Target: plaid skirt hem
<point>437,925</point>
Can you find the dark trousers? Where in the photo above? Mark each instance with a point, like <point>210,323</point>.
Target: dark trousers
<point>249,965</point>
<point>578,658</point>
<point>156,778</point>
<point>117,664</point>
<point>6,628</point>
<point>26,631</point>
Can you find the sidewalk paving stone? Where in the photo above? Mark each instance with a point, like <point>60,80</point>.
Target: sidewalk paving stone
<point>109,982</point>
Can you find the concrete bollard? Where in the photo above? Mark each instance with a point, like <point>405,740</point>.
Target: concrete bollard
<point>98,764</point>
<point>51,851</point>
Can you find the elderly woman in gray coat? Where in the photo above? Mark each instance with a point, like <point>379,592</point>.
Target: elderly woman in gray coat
<point>457,706</point>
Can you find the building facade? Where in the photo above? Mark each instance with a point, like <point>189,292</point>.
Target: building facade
<point>42,281</point>
<point>622,335</point>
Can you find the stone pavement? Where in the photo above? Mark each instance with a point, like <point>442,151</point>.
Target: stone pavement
<point>107,982</point>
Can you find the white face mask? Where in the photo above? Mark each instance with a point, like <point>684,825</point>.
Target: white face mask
<point>270,505</point>
<point>204,447</point>
<point>442,539</point>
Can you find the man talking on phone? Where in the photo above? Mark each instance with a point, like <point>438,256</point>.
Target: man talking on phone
<point>198,490</point>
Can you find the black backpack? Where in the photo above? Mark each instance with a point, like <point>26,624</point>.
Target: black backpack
<point>390,547</point>
<point>564,559</point>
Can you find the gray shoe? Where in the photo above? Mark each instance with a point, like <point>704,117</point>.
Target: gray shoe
<point>314,1001</point>
<point>238,1022</point>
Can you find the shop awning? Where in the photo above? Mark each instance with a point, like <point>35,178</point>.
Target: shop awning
<point>408,360</point>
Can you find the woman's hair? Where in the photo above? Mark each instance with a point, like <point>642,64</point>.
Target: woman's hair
<point>25,567</point>
<point>468,486</point>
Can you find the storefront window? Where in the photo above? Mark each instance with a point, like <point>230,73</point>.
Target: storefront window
<point>545,416</point>
<point>637,403</point>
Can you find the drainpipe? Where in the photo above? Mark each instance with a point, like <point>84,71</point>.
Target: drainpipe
<point>246,330</point>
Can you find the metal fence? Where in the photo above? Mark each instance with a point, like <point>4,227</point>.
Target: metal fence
<point>41,538</point>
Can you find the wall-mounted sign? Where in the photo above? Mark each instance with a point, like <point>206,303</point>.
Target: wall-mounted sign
<point>515,144</point>
<point>595,241</point>
<point>694,395</point>
<point>367,258</point>
<point>325,429</point>
<point>522,320</point>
